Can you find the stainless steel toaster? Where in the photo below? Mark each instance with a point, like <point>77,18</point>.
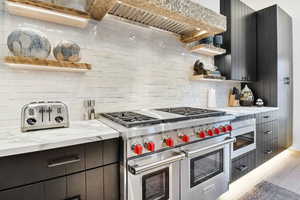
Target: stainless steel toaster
<point>44,115</point>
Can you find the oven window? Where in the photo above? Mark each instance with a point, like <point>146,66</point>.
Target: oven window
<point>206,166</point>
<point>156,185</point>
<point>243,140</point>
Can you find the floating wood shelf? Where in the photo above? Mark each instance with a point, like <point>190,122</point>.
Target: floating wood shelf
<point>48,12</point>
<point>207,50</point>
<point>45,64</point>
<point>201,78</point>
<point>185,18</point>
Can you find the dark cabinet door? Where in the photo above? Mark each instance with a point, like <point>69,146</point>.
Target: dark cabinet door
<point>240,42</point>
<point>111,182</point>
<point>94,184</point>
<point>285,82</point>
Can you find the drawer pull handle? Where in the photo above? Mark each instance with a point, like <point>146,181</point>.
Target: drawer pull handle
<point>266,117</point>
<point>63,161</point>
<point>242,168</point>
<point>268,132</point>
<point>74,198</point>
<point>269,152</point>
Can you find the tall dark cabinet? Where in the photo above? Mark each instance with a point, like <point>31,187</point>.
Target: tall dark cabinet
<point>239,63</point>
<point>274,67</point>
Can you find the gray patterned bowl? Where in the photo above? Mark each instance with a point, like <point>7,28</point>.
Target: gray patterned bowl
<point>67,51</point>
<point>28,43</point>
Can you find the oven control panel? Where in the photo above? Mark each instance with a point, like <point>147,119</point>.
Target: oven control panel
<point>170,139</point>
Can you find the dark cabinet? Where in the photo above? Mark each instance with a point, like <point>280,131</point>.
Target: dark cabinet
<point>266,137</point>
<point>274,67</point>
<point>81,172</point>
<point>239,63</point>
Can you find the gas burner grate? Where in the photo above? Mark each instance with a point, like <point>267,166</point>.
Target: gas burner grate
<point>192,112</point>
<point>131,119</point>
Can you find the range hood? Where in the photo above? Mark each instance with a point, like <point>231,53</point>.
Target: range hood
<point>189,20</point>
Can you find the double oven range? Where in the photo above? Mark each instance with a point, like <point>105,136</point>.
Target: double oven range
<point>178,153</point>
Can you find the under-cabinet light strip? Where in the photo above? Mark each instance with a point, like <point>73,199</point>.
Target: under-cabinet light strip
<point>16,8</point>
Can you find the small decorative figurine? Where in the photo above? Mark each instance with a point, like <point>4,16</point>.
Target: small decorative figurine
<point>259,102</point>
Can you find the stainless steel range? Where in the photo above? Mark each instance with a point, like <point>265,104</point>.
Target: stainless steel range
<point>173,153</point>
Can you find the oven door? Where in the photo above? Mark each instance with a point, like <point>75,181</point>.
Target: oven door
<point>206,171</point>
<point>155,177</point>
<point>245,140</point>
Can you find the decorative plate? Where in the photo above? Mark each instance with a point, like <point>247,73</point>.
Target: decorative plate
<point>28,43</point>
<point>67,51</point>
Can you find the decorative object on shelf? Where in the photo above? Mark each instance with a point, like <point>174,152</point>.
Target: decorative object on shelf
<point>218,41</point>
<point>209,40</point>
<point>199,68</point>
<point>234,97</point>
<point>207,71</point>
<point>67,51</point>
<point>45,64</point>
<point>259,102</point>
<point>247,97</point>
<point>48,11</point>
<point>28,43</point>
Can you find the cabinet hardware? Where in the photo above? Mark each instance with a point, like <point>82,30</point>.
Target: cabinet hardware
<point>268,132</point>
<point>268,152</point>
<point>64,161</point>
<point>242,168</point>
<point>266,117</point>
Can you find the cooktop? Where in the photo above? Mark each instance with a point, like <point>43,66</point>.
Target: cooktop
<point>156,116</point>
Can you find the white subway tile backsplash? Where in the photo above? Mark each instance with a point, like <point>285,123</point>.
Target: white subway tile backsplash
<point>133,68</point>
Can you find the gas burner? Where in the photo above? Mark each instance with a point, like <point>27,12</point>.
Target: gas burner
<point>131,119</point>
<point>192,112</point>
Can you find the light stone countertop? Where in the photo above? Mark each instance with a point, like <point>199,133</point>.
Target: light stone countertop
<point>243,111</point>
<point>13,141</point>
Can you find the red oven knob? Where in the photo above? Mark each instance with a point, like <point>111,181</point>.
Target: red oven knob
<point>224,129</point>
<point>210,132</point>
<point>185,138</point>
<point>217,131</point>
<point>138,149</point>
<point>150,146</point>
<point>169,142</point>
<point>202,134</point>
<point>229,128</point>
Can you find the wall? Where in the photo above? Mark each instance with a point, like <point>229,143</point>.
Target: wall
<point>133,68</point>
<point>292,7</point>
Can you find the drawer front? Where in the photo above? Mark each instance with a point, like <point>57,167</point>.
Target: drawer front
<point>29,168</point>
<point>266,117</point>
<point>242,165</point>
<point>267,141</point>
<point>97,184</point>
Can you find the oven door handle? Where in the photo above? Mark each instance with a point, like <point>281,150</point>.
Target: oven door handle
<point>226,141</point>
<point>138,169</point>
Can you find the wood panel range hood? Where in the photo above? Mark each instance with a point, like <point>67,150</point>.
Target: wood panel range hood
<point>189,20</point>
